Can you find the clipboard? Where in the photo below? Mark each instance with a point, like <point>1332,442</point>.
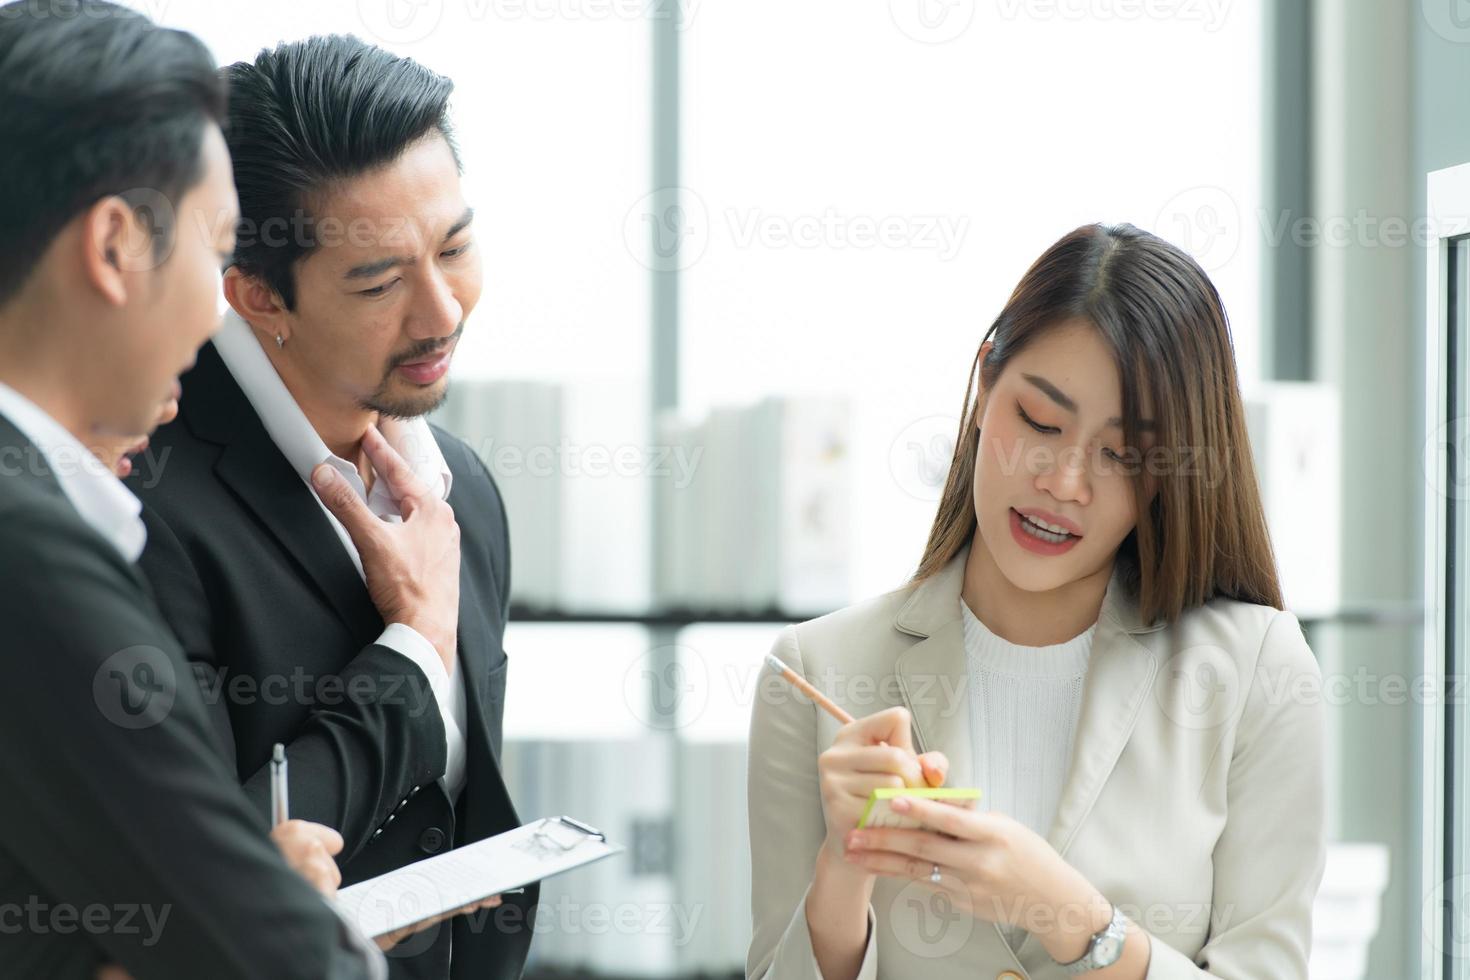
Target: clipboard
<point>468,874</point>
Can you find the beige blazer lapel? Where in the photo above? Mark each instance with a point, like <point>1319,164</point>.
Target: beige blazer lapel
<point>1120,673</point>
<point>932,674</point>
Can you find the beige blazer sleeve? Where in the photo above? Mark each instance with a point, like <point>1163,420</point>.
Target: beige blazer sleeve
<point>786,828</point>
<point>1269,859</point>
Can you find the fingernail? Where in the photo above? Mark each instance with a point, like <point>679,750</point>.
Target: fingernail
<point>901,804</point>
<point>855,841</point>
<point>321,477</point>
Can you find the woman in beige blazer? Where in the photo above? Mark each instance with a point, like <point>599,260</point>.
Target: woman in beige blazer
<point>1186,835</point>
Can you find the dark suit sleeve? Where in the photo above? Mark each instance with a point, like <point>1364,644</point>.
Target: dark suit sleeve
<point>115,795</point>
<point>355,759</point>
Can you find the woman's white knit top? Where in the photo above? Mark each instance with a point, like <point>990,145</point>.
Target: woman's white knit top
<point>1024,705</point>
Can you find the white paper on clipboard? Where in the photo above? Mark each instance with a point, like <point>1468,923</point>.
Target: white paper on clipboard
<point>471,873</point>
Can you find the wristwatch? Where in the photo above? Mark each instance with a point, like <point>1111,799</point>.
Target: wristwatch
<point>1104,949</point>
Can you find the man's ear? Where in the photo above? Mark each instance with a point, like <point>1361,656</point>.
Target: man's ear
<point>115,247</point>
<point>257,304</point>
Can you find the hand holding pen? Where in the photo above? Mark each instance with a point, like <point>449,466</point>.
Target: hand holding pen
<point>309,848</point>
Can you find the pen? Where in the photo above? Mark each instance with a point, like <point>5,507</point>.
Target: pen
<point>805,687</point>
<point>280,805</point>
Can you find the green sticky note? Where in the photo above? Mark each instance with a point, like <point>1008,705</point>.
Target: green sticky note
<point>878,812</point>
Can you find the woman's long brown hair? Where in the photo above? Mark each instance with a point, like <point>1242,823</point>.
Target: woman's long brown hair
<point>1204,534</point>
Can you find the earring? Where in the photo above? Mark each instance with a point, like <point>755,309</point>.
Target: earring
<point>280,341</point>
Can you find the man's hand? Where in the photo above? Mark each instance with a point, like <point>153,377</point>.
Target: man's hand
<point>309,849</point>
<point>412,568</point>
<point>390,939</point>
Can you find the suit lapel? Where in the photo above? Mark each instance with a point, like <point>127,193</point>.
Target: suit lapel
<point>257,472</point>
<point>259,475</point>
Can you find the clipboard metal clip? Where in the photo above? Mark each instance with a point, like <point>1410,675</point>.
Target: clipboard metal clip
<point>545,837</point>
<point>587,829</point>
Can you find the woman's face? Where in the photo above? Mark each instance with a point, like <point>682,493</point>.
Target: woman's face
<point>1051,449</point>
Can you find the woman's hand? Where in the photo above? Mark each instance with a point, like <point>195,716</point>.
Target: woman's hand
<point>875,752</point>
<point>309,849</point>
<point>994,867</point>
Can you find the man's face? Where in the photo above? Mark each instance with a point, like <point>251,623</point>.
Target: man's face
<point>382,299</point>
<point>177,307</point>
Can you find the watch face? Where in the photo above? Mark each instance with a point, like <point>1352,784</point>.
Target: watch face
<point>1107,950</point>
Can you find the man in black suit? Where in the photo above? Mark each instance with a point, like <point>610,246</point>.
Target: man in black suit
<point>125,842</point>
<point>354,273</point>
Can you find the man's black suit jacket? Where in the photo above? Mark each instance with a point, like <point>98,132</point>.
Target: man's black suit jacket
<point>124,837</point>
<point>277,620</point>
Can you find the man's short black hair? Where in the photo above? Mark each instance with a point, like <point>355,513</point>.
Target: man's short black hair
<point>95,100</point>
<point>308,113</point>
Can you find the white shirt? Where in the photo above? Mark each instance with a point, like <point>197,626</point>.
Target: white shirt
<point>1024,705</point>
<point>107,506</point>
<point>304,449</point>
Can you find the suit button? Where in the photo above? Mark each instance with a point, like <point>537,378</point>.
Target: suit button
<point>431,841</point>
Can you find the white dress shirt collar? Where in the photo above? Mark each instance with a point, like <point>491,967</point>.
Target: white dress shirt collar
<point>92,487</point>
<point>299,442</point>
